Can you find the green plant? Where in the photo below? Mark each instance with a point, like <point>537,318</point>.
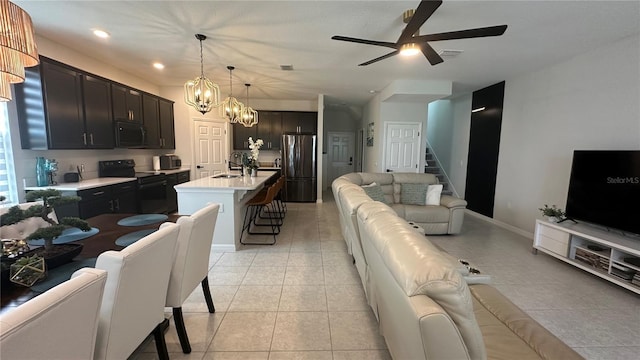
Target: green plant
<point>552,211</point>
<point>50,199</point>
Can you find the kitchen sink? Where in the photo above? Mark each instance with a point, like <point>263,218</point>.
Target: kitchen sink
<point>226,176</point>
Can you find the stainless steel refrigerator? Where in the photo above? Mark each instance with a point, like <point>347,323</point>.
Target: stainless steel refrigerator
<point>299,167</point>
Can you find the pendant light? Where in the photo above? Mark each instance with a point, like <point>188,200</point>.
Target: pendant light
<point>248,116</point>
<point>17,46</point>
<point>201,93</point>
<point>231,107</point>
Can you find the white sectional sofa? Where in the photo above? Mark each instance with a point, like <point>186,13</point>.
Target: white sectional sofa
<point>427,304</point>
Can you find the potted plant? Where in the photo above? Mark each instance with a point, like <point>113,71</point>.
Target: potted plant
<point>50,198</point>
<point>553,213</point>
<point>250,162</point>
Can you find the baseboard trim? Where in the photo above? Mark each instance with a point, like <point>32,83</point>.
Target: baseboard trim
<point>503,225</point>
<point>223,247</point>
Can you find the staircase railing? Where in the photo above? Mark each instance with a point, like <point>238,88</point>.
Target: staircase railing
<point>442,171</point>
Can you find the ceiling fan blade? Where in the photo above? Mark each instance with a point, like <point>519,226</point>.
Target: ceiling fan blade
<point>463,34</point>
<point>430,54</point>
<point>380,58</point>
<point>363,41</point>
<point>422,13</point>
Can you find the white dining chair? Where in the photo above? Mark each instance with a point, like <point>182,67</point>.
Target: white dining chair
<point>133,302</point>
<point>191,265</point>
<point>60,323</point>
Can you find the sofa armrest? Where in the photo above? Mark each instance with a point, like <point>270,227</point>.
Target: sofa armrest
<point>451,201</point>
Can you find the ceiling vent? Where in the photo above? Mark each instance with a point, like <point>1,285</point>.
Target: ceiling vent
<point>288,67</point>
<point>449,52</point>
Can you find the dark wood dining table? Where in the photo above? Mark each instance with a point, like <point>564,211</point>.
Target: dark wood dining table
<point>109,231</point>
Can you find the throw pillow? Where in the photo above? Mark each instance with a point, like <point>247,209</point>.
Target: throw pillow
<point>374,191</point>
<point>413,194</point>
<point>433,194</point>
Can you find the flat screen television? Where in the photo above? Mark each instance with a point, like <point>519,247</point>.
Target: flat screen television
<point>604,188</point>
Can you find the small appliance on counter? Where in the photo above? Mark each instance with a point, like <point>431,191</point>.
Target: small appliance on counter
<point>170,162</point>
<point>156,163</point>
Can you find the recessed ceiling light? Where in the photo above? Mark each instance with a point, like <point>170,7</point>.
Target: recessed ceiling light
<point>158,65</point>
<point>101,33</point>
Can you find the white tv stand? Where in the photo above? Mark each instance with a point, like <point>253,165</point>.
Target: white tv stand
<point>578,245</point>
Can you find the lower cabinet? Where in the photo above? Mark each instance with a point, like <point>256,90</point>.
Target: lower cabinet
<point>172,195</point>
<point>118,198</point>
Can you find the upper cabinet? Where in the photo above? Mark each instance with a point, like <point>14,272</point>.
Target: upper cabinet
<point>158,122</point>
<point>270,129</point>
<point>71,110</point>
<point>127,103</point>
<point>241,136</point>
<point>299,122</point>
<point>61,107</point>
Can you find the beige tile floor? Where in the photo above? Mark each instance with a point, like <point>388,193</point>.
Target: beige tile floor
<point>302,298</point>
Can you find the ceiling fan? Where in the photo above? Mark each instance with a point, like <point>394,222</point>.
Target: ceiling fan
<point>410,42</point>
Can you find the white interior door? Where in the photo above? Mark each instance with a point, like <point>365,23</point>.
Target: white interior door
<point>210,148</point>
<point>340,153</point>
<point>402,147</point>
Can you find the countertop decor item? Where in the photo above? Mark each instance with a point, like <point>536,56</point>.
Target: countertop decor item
<point>201,93</point>
<point>28,270</point>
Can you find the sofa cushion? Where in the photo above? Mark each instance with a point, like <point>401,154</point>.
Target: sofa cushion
<point>374,191</point>
<point>433,194</point>
<point>426,213</point>
<point>413,194</point>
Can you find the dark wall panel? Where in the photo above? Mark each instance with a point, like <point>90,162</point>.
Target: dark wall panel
<point>484,145</point>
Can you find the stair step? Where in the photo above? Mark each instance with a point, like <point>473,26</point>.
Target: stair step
<point>432,169</point>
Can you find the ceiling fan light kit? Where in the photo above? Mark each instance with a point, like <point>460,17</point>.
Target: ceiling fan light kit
<point>411,42</point>
<point>201,93</point>
<point>17,46</point>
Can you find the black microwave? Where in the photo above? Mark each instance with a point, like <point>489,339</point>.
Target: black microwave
<point>130,135</point>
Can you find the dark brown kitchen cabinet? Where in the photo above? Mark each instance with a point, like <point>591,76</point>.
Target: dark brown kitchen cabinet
<point>299,122</point>
<point>158,122</point>
<point>270,129</point>
<point>167,126</point>
<point>127,103</point>
<point>62,108</point>
<point>119,198</point>
<point>241,135</point>
<point>172,195</point>
<point>97,113</point>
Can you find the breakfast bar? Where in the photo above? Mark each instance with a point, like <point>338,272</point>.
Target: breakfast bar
<point>232,192</point>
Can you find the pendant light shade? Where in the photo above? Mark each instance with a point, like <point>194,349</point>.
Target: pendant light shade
<point>17,46</point>
<point>231,107</point>
<point>248,116</point>
<point>201,93</point>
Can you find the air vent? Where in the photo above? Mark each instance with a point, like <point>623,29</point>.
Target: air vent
<point>288,67</point>
<point>449,52</point>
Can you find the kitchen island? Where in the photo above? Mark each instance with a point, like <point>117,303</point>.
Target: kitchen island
<point>231,193</point>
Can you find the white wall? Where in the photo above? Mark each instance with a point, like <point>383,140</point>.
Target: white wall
<point>372,154</point>
<point>588,102</point>
<point>461,121</point>
<point>440,131</point>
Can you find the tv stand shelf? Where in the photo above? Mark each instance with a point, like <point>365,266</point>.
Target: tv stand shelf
<point>591,249</point>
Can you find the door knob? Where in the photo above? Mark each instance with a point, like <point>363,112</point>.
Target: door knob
<point>199,167</point>
<point>389,170</point>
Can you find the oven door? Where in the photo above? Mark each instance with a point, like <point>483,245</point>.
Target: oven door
<point>153,197</point>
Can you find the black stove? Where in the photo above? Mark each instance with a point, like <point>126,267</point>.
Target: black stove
<point>152,188</point>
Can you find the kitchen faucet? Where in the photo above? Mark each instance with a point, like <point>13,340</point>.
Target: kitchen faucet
<point>236,155</point>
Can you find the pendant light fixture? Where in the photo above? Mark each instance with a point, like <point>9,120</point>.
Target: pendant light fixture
<point>201,93</point>
<point>17,46</point>
<point>231,107</point>
<point>248,116</point>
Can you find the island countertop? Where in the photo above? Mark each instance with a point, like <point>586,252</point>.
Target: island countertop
<point>211,184</point>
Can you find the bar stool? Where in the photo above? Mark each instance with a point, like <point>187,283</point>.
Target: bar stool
<point>263,201</point>
<point>280,206</point>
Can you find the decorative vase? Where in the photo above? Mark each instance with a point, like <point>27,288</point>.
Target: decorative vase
<point>41,171</point>
<point>553,219</point>
<point>254,172</point>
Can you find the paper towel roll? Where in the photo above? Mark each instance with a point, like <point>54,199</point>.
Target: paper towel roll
<point>156,163</point>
